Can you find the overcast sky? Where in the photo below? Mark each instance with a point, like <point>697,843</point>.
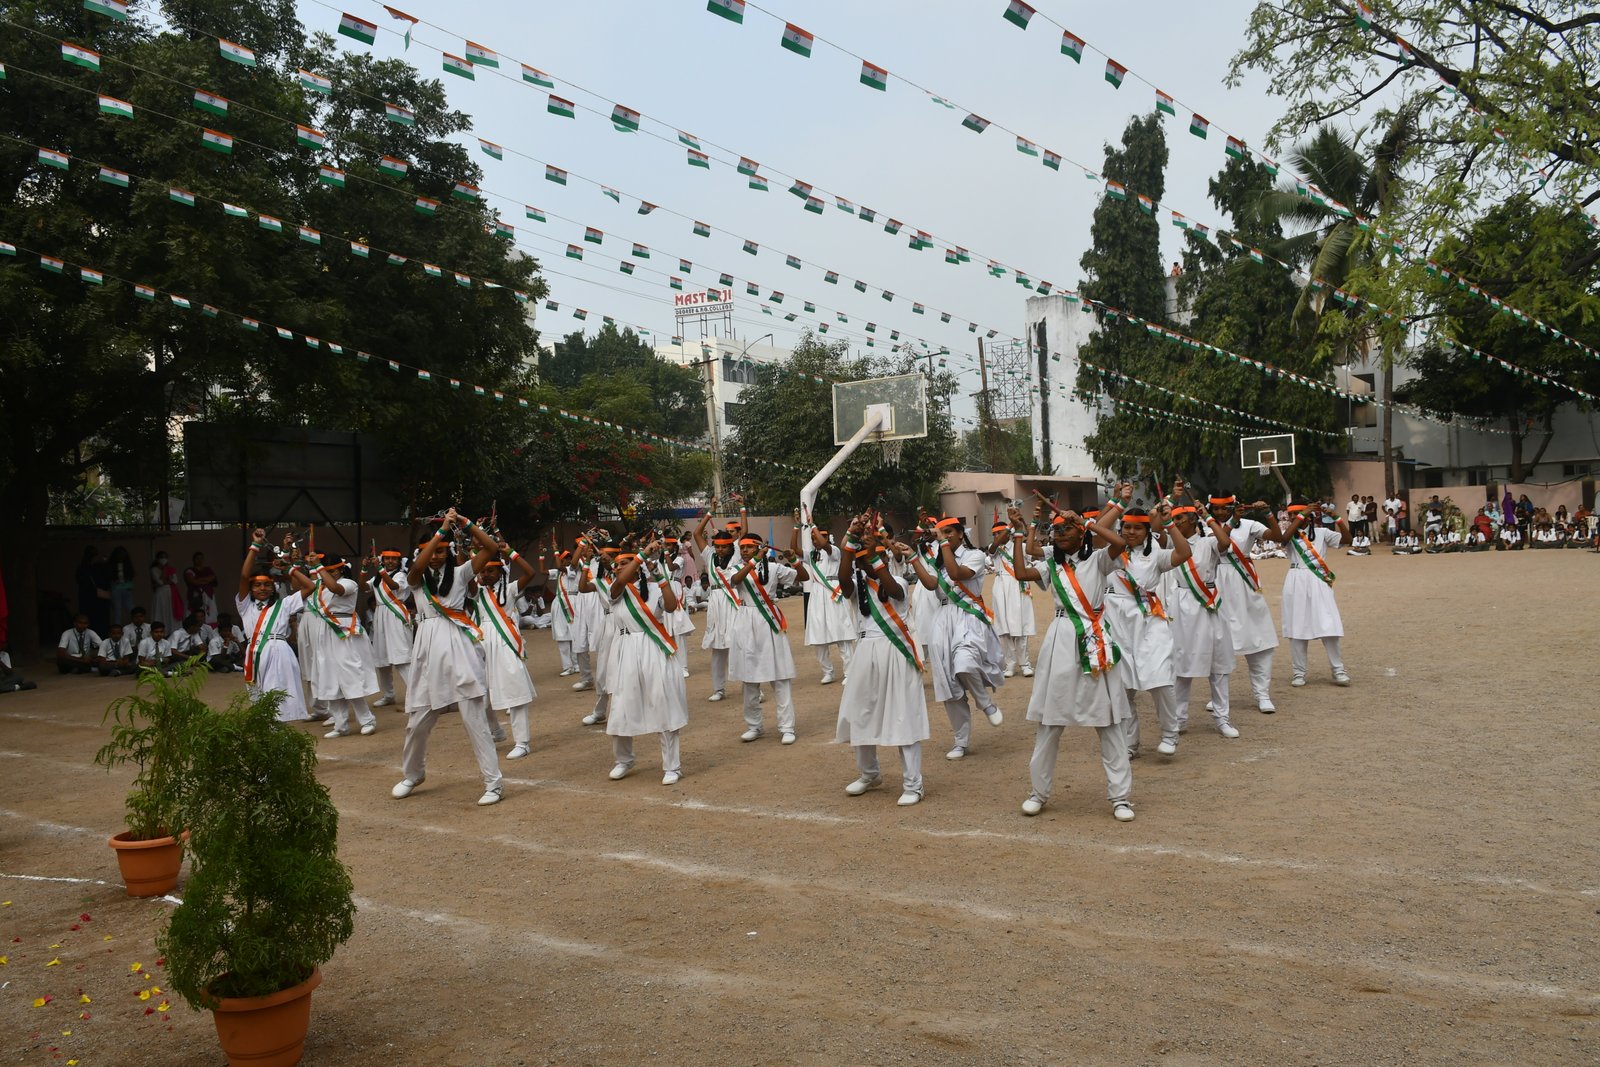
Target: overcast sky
<point>896,152</point>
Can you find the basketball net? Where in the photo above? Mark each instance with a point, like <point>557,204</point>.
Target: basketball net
<point>891,451</point>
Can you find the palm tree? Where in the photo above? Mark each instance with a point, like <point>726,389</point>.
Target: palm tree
<point>1362,181</point>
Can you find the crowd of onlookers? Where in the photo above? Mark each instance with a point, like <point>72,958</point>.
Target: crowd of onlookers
<point>1514,524</point>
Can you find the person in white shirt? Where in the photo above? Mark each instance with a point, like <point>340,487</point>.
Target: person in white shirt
<point>511,690</point>
<point>226,646</point>
<point>760,639</point>
<point>155,651</point>
<point>830,615</point>
<point>192,638</point>
<point>1013,602</point>
<point>643,677</point>
<point>1510,537</point>
<point>1240,601</point>
<point>1391,511</point>
<point>116,656</point>
<point>1355,513</point>
<point>1309,609</point>
<point>1360,545</point>
<point>392,623</point>
<point>79,648</point>
<point>1452,540</point>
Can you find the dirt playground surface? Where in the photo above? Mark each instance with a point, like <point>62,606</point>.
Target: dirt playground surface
<point>1400,872</point>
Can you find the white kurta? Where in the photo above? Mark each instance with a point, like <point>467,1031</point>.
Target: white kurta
<point>1063,693</point>
<point>960,642</point>
<point>445,665</point>
<point>1145,638</point>
<point>564,612</point>
<point>924,606</point>
<point>882,702</point>
<point>505,670</point>
<point>344,664</point>
<point>720,608</point>
<point>589,626</point>
<point>1011,600</point>
<point>391,627</point>
<point>1200,638</point>
<point>276,669</point>
<point>645,682</point>
<point>829,619</point>
<point>758,653</point>
<point>679,624</point>
<point>310,635</point>
<point>1243,607</point>
<point>1309,609</point>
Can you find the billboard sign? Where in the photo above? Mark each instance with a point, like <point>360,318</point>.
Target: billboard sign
<point>703,303</point>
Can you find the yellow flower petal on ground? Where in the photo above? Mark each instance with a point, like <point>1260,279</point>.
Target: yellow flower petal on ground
<point>163,1006</point>
<point>144,994</point>
<point>136,967</point>
<point>54,963</point>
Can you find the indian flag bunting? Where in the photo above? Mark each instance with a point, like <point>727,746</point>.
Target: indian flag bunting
<point>732,10</point>
<point>944,316</point>
<point>482,56</point>
<point>814,204</point>
<point>580,314</point>
<point>860,286</point>
<point>1116,191</point>
<point>359,249</point>
<point>1363,15</point>
<point>1027,147</point>
<point>1234,147</point>
<point>432,271</point>
<point>792,261</point>
<point>625,119</point>
<point>180,302</point>
<point>1257,256</point>
<point>111,9</point>
<point>748,166</point>
<point>270,224</point>
<point>811,309</point>
<point>533,213</point>
<point>51,264</point>
<point>110,105</point>
<point>1114,73</point>
<point>701,229</point>
<point>306,137</point>
<point>1146,205</point>
<point>1072,46</point>
<point>725,280</point>
<point>751,247</point>
<point>844,205</point>
<point>115,177</point>
<point>180,196</point>
<point>1199,126</point>
<point>975,123</point>
<point>640,251</point>
<point>1017,13</point>
<point>534,76</point>
<point>675,282</point>
<point>593,236</point>
<point>1164,103</point>
<point>210,312</point>
<point>465,191</point>
<point>831,277</point>
<point>685,266</point>
<point>688,140</point>
<point>1052,160</point>
<point>562,108</point>
<point>310,236</point>
<point>332,177</point>
<point>461,68</point>
<point>401,16</point>
<point>362,30</point>
<point>144,292</point>
<point>776,297</point>
<point>424,376</point>
<point>949,257</point>
<point>1179,221</point>
<point>797,40</point>
<point>758,183</point>
<point>398,115</point>
<point>218,141</point>
<point>800,189</point>
<point>699,159</point>
<point>80,57</point>
<point>1271,167</point>
<point>424,206</point>
<point>463,280</point>
<point>315,82</point>
<point>867,214</point>
<point>237,53</point>
<point>645,207</point>
<point>892,227</point>
<point>253,325</point>
<point>610,193</point>
<point>555,174</point>
<point>392,167</point>
<point>215,105</point>
<point>874,77</point>
<point>492,150</point>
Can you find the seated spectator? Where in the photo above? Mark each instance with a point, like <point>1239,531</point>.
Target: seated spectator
<point>1432,542</point>
<point>225,647</point>
<point>79,648</point>
<point>137,630</point>
<point>10,680</point>
<point>1510,537</point>
<point>1360,545</point>
<point>192,638</point>
<point>155,651</point>
<point>1452,540</point>
<point>116,655</point>
<point>1561,514</point>
<point>1477,539</point>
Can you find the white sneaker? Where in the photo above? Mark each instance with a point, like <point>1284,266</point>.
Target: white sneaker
<point>1027,670</point>
<point>592,719</point>
<point>1133,752</point>
<point>385,702</point>
<point>369,729</point>
<point>337,733</point>
<point>1167,748</point>
<point>908,798</point>
<point>491,797</point>
<point>827,679</point>
<point>620,771</point>
<point>714,697</point>
<point>1033,805</point>
<point>1227,730</point>
<point>1298,681</point>
<point>1267,707</point>
<point>404,788</point>
<point>580,686</point>
<point>499,737</point>
<point>686,672</point>
<point>1122,811</point>
<point>956,753</point>
<point>1341,677</point>
<point>1009,672</point>
<point>751,734</point>
<point>567,673</point>
<point>518,752</point>
<point>671,778</point>
<point>861,785</point>
<point>786,739</point>
<point>992,713</point>
<point>1211,708</point>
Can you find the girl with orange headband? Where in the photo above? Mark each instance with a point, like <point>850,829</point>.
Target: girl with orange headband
<point>1133,603</point>
<point>589,627</point>
<point>391,622</point>
<point>1081,679</point>
<point>592,583</point>
<point>1241,603</point>
<point>829,613</point>
<point>760,651</point>
<point>563,585</point>
<point>1200,637</point>
<point>1013,599</point>
<point>720,562</point>
<point>1309,608</point>
<point>505,667</point>
<point>269,663</point>
<point>345,675</point>
<point>642,679</point>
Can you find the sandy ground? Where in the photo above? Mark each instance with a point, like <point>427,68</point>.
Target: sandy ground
<point>1404,871</point>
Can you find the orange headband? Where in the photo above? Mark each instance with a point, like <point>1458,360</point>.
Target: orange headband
<point>1092,514</point>
<point>625,557</point>
<point>1059,520</point>
<point>1000,527</point>
<point>749,540</point>
<point>1295,509</point>
<point>1185,510</point>
<point>943,523</point>
<point>1219,500</point>
<point>390,554</point>
<point>1135,520</point>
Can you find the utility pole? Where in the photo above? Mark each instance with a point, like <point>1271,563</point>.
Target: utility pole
<point>708,365</point>
<point>985,409</point>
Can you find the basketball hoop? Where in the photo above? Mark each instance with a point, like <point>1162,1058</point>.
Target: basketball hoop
<point>1266,469</point>
<point>891,451</point>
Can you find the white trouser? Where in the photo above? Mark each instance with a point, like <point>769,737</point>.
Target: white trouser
<point>910,765</point>
<point>1297,655</point>
<point>386,677</point>
<point>1219,698</point>
<point>681,656</point>
<point>719,669</point>
<point>419,724</point>
<point>825,656</point>
<point>671,757</point>
<point>521,727</point>
<point>568,663</point>
<point>1260,665</point>
<point>602,706</point>
<point>783,694</point>
<point>1113,754</point>
<point>341,710</point>
<point>585,662</point>
<point>1016,649</point>
<point>959,712</point>
<point>1166,714</point>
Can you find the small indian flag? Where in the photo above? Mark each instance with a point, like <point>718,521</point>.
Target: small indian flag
<point>461,68</point>
<point>892,226</point>
<point>425,206</point>
<point>861,286</point>
<point>1017,13</point>
<point>533,213</point>
<point>362,30</point>
<point>432,271</point>
<point>1271,167</point>
<point>887,295</point>
<point>1027,147</point>
<point>424,376</point>
<point>1072,46</point>
<point>822,327</point>
<point>625,267</point>
<point>537,77</point>
<point>751,247</point>
<point>492,150</point>
<point>114,9</point>
<point>1052,160</point>
<point>237,53</point>
<point>480,55</point>
<point>797,40</point>
<point>792,261</point>
<point>464,281</point>
<point>1363,15</point>
<point>625,119</point>
<point>110,105</point>
<point>1115,72</point>
<point>465,191</point>
<point>395,261</point>
<point>270,224</point>
<point>51,264</point>
<point>555,174</point>
<point>811,309</point>
<point>1199,126</point>
<point>315,82</point>
<point>1256,256</point>
<point>701,229</point>
<point>180,196</point>
<point>504,229</point>
<point>641,251</point>
<point>814,204</point>
<point>1234,147</point>
<point>252,325</point>
<point>209,102</point>
<point>758,183</point>
<point>392,167</point>
<point>699,159</point>
<point>180,302</point>
<point>874,77</point>
<point>51,158</point>
<point>685,266</point>
<point>360,250</point>
<point>398,115</point>
<point>332,177</point>
<point>1164,103</point>
<point>217,141</point>
<point>776,297</point>
<point>610,193</point>
<point>975,123</point>
<point>752,289</point>
<point>944,316</point>
<point>1179,220</point>
<point>80,57</point>
<point>580,314</point>
<point>688,140</point>
<point>310,236</point>
<point>748,166</point>
<point>1146,205</point>
<point>564,108</point>
<point>732,10</point>
<point>726,279</point>
<point>144,292</point>
<point>1116,190</point>
<point>593,236</point>
<point>114,177</point>
<point>951,257</point>
<point>306,137</point>
<point>675,282</point>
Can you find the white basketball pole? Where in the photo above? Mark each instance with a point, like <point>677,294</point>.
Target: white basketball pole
<point>808,496</point>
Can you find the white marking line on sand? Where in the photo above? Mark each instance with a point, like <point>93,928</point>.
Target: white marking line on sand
<point>50,827</point>
<point>51,719</point>
<point>47,878</point>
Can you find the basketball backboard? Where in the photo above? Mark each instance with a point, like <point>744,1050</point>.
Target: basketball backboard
<point>902,399</point>
<point>1260,453</point>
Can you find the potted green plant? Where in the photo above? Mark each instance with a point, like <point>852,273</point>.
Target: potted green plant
<point>152,729</point>
<point>267,901</point>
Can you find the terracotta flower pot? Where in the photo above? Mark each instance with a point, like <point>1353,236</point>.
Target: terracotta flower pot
<point>149,868</point>
<point>266,1031</point>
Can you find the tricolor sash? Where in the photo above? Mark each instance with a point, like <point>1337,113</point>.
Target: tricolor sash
<point>461,619</point>
<point>647,621</point>
<point>1096,650</point>
<point>489,608</point>
<point>266,624</point>
<point>821,579</point>
<point>1312,559</point>
<point>1149,603</point>
<point>769,611</point>
<point>957,594</point>
<point>385,596</point>
<point>1242,564</point>
<point>893,626</point>
<point>563,598</point>
<point>319,608</point>
<point>1005,559</point>
<point>724,585</point>
<point>1197,585</point>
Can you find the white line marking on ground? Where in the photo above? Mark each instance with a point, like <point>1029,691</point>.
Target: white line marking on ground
<point>47,878</point>
<point>49,827</point>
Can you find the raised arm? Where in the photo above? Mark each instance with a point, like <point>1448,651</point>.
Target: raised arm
<point>258,544</point>
<point>522,564</point>
<point>700,530</point>
<point>488,547</point>
<point>1105,527</point>
<point>1026,571</point>
<point>1161,522</point>
<point>430,551</point>
<point>1273,531</point>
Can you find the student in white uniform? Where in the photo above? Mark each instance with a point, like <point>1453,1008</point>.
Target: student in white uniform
<point>643,678</point>
<point>563,582</point>
<point>505,665</point>
<point>678,621</point>
<point>963,652</point>
<point>1309,609</point>
<point>760,641</point>
<point>1139,619</point>
<point>1013,602</point>
<point>79,648</point>
<point>269,663</point>
<point>922,601</point>
<point>829,613</point>
<point>1240,602</point>
<point>882,703</point>
<point>446,667</point>
<point>391,624</point>
<point>116,655</point>
<point>309,639</point>
<point>226,647</point>
<point>589,623</point>
<point>155,651</point>
<point>192,639</point>
<point>593,583</point>
<point>719,561</point>
<point>345,674</point>
<point>1081,680</point>
<point>1200,636</point>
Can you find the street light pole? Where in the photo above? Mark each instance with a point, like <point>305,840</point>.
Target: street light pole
<point>711,411</point>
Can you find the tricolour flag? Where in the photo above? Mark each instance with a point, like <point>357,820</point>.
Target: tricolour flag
<point>533,213</point>
<point>1363,15</point>
<point>892,227</point>
<point>253,325</point>
<point>593,236</point>
<point>1052,160</point>
<point>640,251</point>
<point>725,280</point>
<point>1115,72</point>
<point>362,30</point>
<point>208,102</point>
<point>555,174</point>
<point>758,183</point>
<point>315,82</point>
<point>112,9</point>
<point>792,261</point>
<point>625,267</point>
<point>1256,256</point>
<point>1017,13</point>
<point>482,56</point>
<point>1234,147</point>
<point>80,57</point>
<point>944,316</point>
<point>110,105</point>
<point>748,166</point>
<point>505,229</point>
<point>776,297</point>
<point>685,266</point>
<point>310,236</point>
<point>975,123</point>
<point>699,159</point>
<point>814,204</point>
<point>398,115</point>
<point>1146,205</point>
<point>270,224</point>
<point>463,280</point>
<point>392,167</point>
<point>645,207</point>
<point>360,250</point>
<point>1027,147</point>
<point>797,40</point>
<point>751,247</point>
<point>701,229</point>
<point>492,150</point>
<point>114,177</point>
<point>1116,190</point>
<point>1199,126</point>
<point>1072,46</point>
<point>432,270</point>
<point>1164,103</point>
<point>610,193</point>
<point>237,53</point>
<point>580,314</point>
<point>332,177</point>
<point>180,196</point>
<point>563,108</point>
<point>535,76</point>
<point>867,214</point>
<point>92,277</point>
<point>860,286</point>
<point>752,289</point>
<point>1179,220</point>
<point>844,205</point>
<point>461,68</point>
<point>675,282</point>
<point>688,140</point>
<point>625,119</point>
<point>732,10</point>
<point>217,141</point>
<point>424,206</point>
<point>874,77</point>
<point>401,16</point>
<point>306,137</point>
<point>181,302</point>
<point>144,292</point>
<point>951,257</point>
<point>52,264</point>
